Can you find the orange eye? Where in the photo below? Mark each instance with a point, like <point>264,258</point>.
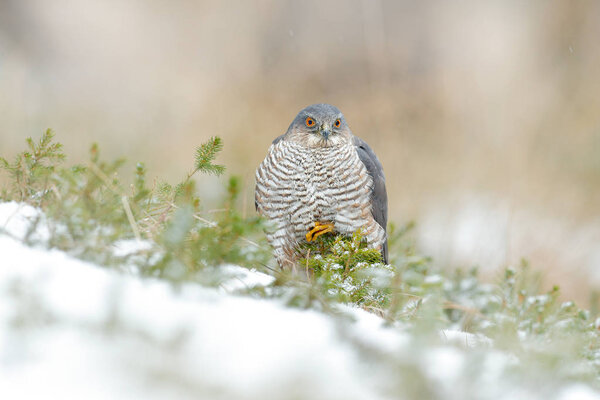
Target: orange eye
<point>337,123</point>
<point>310,122</point>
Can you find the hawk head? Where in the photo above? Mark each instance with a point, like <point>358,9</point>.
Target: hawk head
<point>319,125</point>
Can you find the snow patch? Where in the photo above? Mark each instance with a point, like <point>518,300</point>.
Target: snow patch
<point>243,278</point>
<point>23,221</point>
<point>68,326</point>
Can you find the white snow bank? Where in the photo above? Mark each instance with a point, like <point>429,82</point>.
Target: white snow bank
<point>577,392</point>
<point>95,332</point>
<point>71,330</point>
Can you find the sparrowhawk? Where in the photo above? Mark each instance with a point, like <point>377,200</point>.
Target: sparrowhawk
<point>318,177</point>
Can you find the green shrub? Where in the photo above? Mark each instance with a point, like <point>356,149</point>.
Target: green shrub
<point>91,211</point>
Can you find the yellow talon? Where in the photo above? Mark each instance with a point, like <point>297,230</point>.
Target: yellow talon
<point>318,230</point>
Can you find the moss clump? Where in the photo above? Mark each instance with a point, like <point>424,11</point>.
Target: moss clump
<point>347,269</point>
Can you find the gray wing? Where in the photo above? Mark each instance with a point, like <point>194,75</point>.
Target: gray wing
<point>379,203</point>
<point>278,139</point>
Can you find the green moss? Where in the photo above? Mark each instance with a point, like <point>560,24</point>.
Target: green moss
<point>345,268</point>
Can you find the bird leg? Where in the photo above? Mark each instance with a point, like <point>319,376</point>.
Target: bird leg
<point>318,230</point>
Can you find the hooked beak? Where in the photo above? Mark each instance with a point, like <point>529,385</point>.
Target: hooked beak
<point>325,131</point>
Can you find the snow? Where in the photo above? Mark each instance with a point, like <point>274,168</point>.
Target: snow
<point>577,392</point>
<point>242,278</point>
<point>221,340</point>
<point>70,329</point>
<point>445,366</point>
<point>127,247</point>
<point>16,219</point>
<point>491,232</point>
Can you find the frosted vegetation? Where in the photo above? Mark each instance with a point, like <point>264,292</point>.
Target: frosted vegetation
<point>137,290</point>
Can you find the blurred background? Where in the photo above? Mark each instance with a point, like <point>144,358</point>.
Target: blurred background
<point>485,115</point>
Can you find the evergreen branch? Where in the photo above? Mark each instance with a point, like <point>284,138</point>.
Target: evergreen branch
<point>206,154</point>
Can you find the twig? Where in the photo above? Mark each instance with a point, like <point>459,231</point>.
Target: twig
<point>306,267</point>
<point>134,226</point>
<point>210,223</point>
<point>213,224</point>
<point>100,174</point>
<point>448,305</point>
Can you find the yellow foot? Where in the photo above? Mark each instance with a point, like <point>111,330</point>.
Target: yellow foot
<point>318,230</point>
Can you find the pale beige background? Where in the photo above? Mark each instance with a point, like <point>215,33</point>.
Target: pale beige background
<point>486,115</point>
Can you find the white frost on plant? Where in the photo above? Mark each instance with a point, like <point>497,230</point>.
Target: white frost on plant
<point>128,247</point>
<point>465,339</point>
<point>433,280</point>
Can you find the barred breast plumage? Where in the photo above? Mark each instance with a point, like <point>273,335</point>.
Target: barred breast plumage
<point>305,179</point>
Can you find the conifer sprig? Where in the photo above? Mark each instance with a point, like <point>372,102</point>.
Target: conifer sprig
<point>206,154</point>
<point>32,170</point>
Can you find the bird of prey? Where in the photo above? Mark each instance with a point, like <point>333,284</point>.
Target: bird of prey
<point>317,178</point>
